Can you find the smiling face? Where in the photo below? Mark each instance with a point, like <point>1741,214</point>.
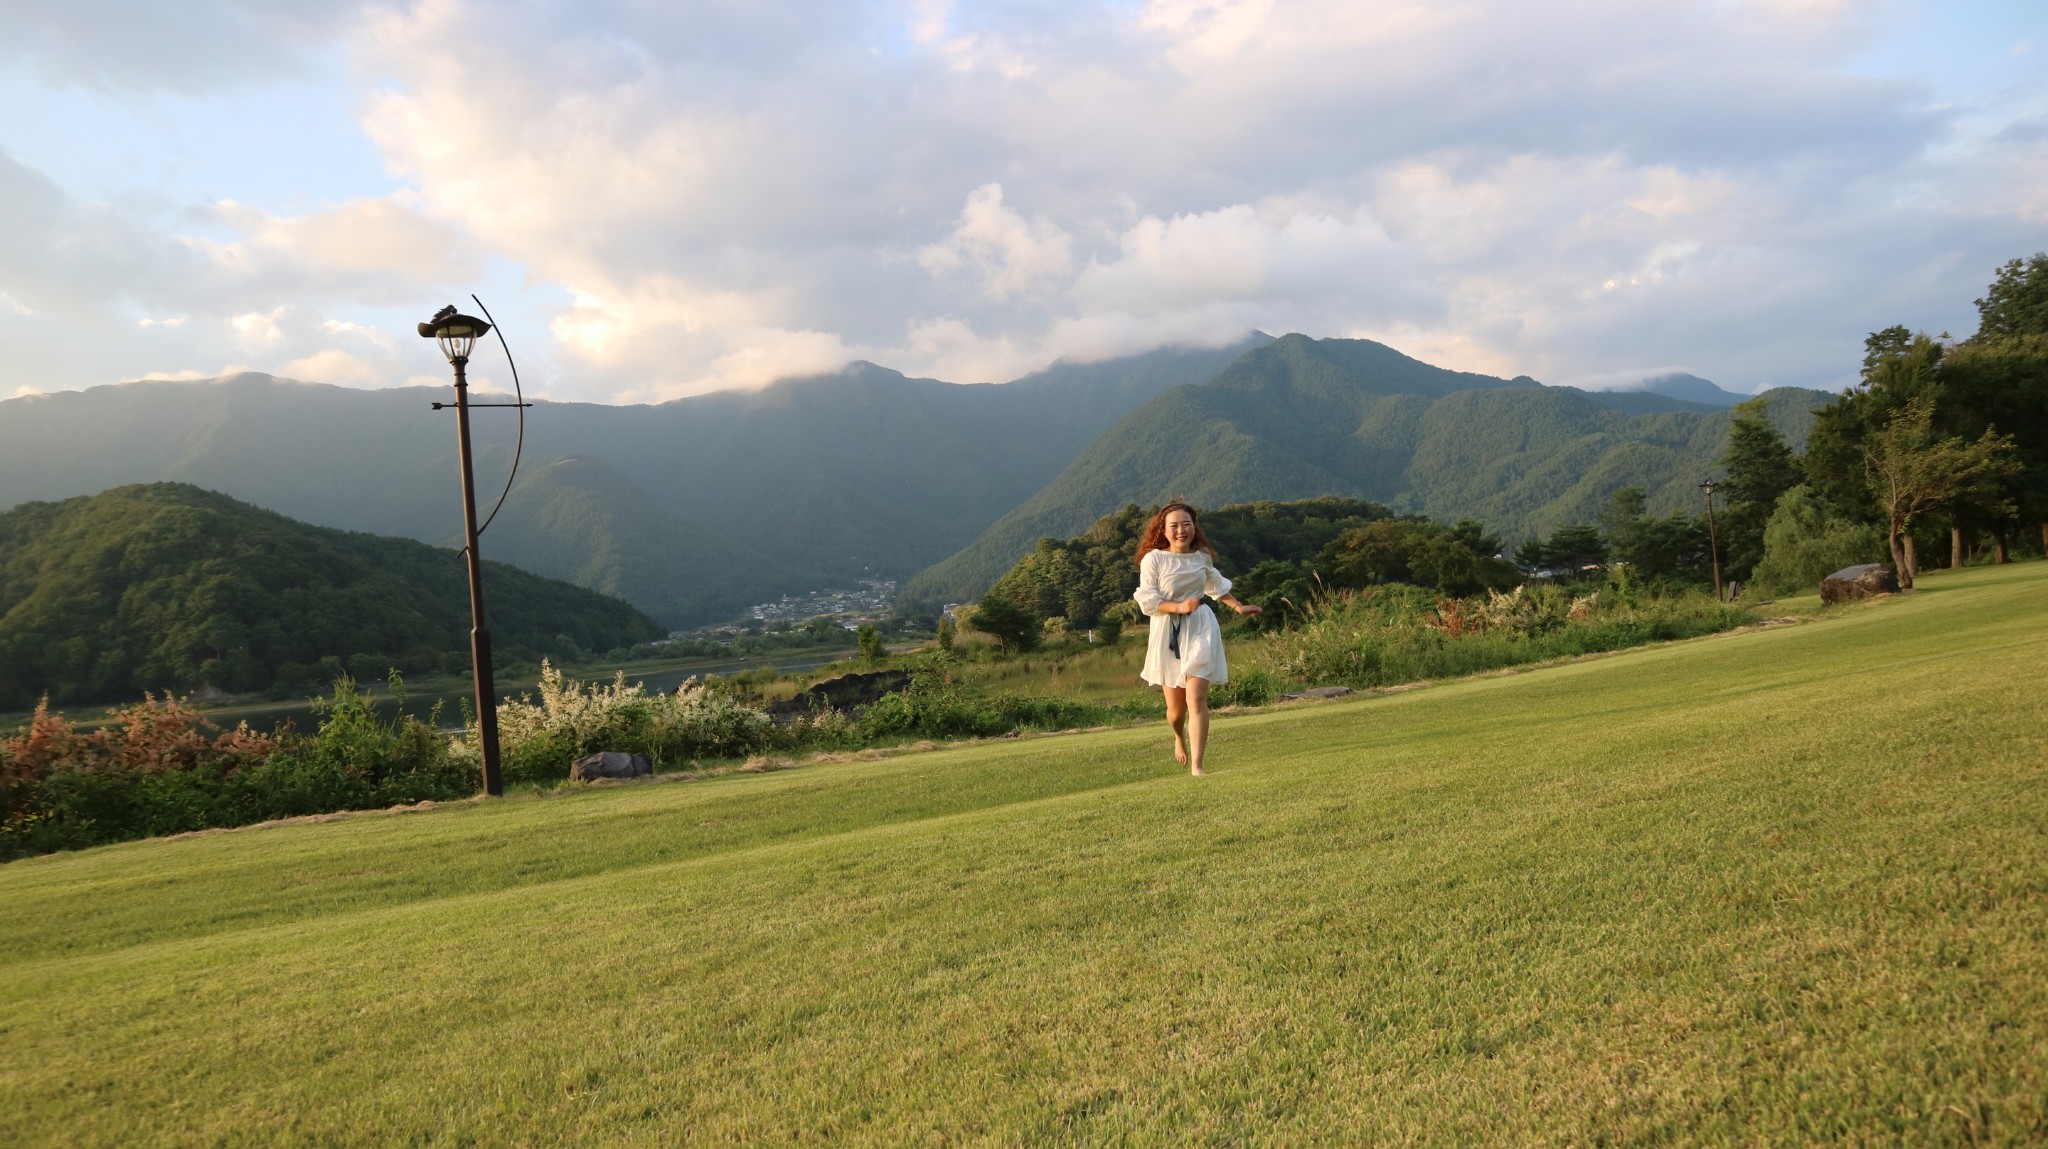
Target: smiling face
<point>1180,531</point>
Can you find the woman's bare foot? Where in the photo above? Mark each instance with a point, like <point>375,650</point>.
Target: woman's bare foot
<point>1198,772</point>
<point>1180,749</point>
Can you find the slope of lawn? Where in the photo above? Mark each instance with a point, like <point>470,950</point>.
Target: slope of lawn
<point>1780,886</point>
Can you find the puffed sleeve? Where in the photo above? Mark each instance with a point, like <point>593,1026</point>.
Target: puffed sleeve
<point>1214,584</point>
<point>1149,594</point>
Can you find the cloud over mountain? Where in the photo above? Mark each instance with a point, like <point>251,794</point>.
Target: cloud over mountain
<point>698,196</point>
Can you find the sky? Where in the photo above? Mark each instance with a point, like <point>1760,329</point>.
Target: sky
<point>659,198</point>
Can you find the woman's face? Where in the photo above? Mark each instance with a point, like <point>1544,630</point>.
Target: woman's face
<point>1180,530</point>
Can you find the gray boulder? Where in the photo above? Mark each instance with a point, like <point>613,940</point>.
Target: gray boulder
<point>1856,582</point>
<point>609,764</point>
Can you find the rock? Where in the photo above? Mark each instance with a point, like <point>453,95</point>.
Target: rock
<point>847,692</point>
<point>609,764</point>
<point>1856,582</point>
<point>1317,692</point>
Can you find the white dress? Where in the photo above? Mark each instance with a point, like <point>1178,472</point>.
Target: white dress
<point>1167,577</point>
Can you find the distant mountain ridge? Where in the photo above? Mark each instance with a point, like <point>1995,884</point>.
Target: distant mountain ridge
<point>1690,388</point>
<point>697,508</point>
<point>692,509</point>
<point>1301,417</point>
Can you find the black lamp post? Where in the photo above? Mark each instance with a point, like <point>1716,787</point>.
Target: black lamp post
<point>457,335</point>
<point>1713,543</point>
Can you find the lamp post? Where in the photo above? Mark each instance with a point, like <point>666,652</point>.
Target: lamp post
<point>1713,543</point>
<point>457,335</point>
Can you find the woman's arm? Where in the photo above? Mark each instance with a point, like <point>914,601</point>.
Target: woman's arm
<point>1247,609</point>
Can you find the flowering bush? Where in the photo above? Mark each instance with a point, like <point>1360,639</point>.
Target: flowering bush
<point>540,737</point>
<point>158,767</point>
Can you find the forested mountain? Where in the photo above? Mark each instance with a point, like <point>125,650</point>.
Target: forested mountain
<point>1303,417</point>
<point>169,587</point>
<point>692,509</point>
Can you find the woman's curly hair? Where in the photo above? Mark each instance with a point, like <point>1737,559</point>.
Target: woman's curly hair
<point>1154,538</point>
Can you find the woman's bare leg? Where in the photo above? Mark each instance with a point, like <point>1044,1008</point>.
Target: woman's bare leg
<point>1177,719</point>
<point>1197,691</point>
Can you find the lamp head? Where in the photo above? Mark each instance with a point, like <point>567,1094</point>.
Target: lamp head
<point>456,333</point>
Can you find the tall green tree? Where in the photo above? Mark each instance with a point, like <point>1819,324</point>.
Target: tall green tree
<point>2002,384</point>
<point>1898,367</point>
<point>1670,547</point>
<point>1013,627</point>
<point>2016,303</point>
<point>1760,469</point>
<point>1576,546</point>
<point>1911,471</point>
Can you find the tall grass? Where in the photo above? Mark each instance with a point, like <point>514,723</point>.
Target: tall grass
<point>1383,636</point>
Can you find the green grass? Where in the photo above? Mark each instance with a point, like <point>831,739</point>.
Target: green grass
<point>1782,886</point>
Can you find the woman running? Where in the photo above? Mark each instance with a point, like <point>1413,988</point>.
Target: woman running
<point>1176,569</point>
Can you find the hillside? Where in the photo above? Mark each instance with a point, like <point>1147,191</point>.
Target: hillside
<point>692,509</point>
<point>1302,418</point>
<point>1755,887</point>
<point>168,587</point>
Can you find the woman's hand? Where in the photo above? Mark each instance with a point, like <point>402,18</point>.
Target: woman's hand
<point>1250,609</point>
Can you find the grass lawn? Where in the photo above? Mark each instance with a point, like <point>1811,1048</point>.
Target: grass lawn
<point>1781,886</point>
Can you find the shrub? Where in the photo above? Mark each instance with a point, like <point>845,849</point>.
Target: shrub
<point>1254,686</point>
<point>158,767</point>
<point>1803,545</point>
<point>1387,635</point>
<point>539,739</point>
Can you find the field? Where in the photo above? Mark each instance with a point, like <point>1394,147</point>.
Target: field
<point>1780,886</point>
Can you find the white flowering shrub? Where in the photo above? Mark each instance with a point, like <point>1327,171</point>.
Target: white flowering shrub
<point>539,737</point>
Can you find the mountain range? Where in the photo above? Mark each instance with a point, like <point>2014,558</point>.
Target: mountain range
<point>1303,417</point>
<point>696,508</point>
<point>691,509</point>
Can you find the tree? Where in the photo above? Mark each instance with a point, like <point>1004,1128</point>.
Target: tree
<point>1414,551</point>
<point>2016,303</point>
<point>870,639</point>
<point>946,632</point>
<point>1898,367</point>
<point>1911,472</point>
<point>1803,544</point>
<point>1671,547</point>
<point>2003,384</point>
<point>1576,546</point>
<point>1013,627</point>
<point>1760,469</point>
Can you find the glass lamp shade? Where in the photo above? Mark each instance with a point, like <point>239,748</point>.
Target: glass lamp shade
<point>457,334</point>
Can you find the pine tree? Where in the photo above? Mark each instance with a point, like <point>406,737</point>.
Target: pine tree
<point>1760,469</point>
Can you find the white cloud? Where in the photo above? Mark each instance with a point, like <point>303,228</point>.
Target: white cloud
<point>333,365</point>
<point>1009,254</point>
<point>369,249</point>
<point>705,196</point>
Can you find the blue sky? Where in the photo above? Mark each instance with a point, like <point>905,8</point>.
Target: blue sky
<point>662,200</point>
